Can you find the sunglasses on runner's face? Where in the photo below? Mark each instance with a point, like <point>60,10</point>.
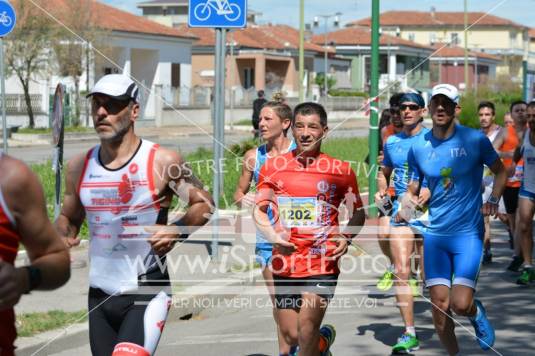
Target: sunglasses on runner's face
<point>411,107</point>
<point>111,105</point>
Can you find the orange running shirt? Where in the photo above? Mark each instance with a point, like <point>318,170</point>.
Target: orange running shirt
<point>510,144</point>
<point>305,201</point>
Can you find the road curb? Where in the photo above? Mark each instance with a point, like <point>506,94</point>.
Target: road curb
<point>186,304</point>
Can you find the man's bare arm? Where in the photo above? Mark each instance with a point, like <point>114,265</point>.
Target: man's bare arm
<point>25,198</point>
<point>500,179</point>
<point>408,202</point>
<point>244,182</point>
<point>264,197</point>
<point>178,179</point>
<point>498,141</point>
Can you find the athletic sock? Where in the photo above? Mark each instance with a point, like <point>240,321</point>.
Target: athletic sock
<point>477,316</point>
<point>410,330</point>
<point>528,266</point>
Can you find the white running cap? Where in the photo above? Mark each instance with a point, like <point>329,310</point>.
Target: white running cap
<point>118,86</point>
<point>448,90</point>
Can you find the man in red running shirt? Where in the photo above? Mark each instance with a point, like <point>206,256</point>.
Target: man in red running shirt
<point>305,188</point>
<point>23,220</point>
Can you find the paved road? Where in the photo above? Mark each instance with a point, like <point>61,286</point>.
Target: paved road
<point>366,320</point>
<point>184,144</point>
<point>39,154</point>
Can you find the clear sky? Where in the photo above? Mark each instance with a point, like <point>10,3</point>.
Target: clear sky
<point>287,11</point>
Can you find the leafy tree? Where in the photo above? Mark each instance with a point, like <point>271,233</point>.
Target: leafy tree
<point>26,46</point>
<point>320,80</point>
<point>74,44</point>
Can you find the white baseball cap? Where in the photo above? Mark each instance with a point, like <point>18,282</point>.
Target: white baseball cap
<point>118,86</point>
<point>448,90</point>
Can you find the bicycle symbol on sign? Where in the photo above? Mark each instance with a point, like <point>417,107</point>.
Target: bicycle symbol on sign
<point>5,20</point>
<point>222,7</point>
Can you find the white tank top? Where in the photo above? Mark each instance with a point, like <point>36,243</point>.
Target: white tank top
<point>113,200</point>
<point>528,154</point>
<point>488,177</point>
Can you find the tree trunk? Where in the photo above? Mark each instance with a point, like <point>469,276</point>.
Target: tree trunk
<point>28,101</point>
<point>76,101</point>
<point>86,102</point>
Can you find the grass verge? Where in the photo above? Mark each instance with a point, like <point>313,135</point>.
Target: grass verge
<point>353,150</point>
<point>29,324</point>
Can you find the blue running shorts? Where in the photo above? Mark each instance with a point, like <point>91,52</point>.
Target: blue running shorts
<point>453,259</point>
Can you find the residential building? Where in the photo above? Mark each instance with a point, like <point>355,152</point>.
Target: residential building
<point>258,57</point>
<point>487,33</point>
<point>170,13</point>
<point>174,13</point>
<point>447,66</point>
<point>156,56</point>
<point>531,66</point>
<point>402,63</point>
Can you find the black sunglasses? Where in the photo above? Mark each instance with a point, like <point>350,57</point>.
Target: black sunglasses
<point>111,105</point>
<point>411,107</point>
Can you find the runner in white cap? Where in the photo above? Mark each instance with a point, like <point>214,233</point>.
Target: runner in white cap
<point>123,187</point>
<point>451,158</point>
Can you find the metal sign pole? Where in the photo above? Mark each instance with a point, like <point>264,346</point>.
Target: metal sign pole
<point>226,15</point>
<point>3,89</point>
<point>216,186</point>
<point>219,130</point>
<point>221,127</point>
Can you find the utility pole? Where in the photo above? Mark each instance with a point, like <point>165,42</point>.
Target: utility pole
<point>374,115</point>
<point>301,49</point>
<point>325,42</point>
<point>466,45</point>
<point>525,89</point>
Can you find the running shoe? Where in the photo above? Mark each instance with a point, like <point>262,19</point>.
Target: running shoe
<point>483,328</point>
<point>406,343</point>
<point>527,276</point>
<point>515,264</point>
<point>329,333</point>
<point>413,284</point>
<point>386,281</point>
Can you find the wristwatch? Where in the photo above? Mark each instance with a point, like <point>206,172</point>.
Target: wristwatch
<point>493,200</point>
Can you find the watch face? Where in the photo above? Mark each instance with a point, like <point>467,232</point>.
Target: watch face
<point>493,200</point>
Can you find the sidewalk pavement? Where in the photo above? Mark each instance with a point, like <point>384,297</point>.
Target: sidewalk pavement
<point>509,306</point>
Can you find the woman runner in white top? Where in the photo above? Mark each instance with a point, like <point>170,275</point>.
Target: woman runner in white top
<point>275,119</point>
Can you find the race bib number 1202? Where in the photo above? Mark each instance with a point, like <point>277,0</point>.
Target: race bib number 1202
<point>298,212</point>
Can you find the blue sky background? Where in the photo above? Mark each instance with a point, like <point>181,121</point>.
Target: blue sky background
<point>286,11</point>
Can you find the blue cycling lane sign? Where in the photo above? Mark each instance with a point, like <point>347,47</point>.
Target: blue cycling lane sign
<point>217,13</point>
<point>7,18</point>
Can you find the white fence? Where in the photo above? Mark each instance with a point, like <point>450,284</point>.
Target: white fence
<point>201,97</point>
<point>16,104</point>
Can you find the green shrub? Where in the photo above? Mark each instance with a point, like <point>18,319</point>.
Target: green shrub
<point>501,99</point>
<point>342,92</point>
